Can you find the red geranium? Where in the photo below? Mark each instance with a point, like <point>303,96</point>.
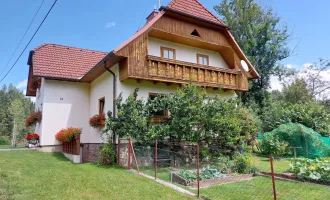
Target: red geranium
<point>33,118</point>
<point>32,136</point>
<point>67,135</point>
<point>97,121</point>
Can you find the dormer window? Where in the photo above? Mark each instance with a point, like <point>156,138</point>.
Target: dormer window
<point>195,33</point>
<point>167,53</point>
<point>202,59</point>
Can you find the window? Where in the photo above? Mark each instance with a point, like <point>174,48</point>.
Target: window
<point>101,106</point>
<point>202,59</point>
<point>167,53</point>
<point>195,33</point>
<point>160,115</point>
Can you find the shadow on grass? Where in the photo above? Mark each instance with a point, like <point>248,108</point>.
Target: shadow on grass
<point>59,156</point>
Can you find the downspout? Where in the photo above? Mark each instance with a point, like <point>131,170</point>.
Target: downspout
<point>114,99</point>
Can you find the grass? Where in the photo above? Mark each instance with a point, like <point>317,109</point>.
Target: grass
<point>263,163</point>
<point>35,175</point>
<point>11,147</point>
<point>260,188</point>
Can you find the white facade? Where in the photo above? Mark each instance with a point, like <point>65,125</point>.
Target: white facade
<point>185,53</point>
<point>64,104</point>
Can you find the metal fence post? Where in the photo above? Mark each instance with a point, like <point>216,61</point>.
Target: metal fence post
<point>118,151</point>
<point>156,155</point>
<point>197,165</point>
<point>129,154</point>
<point>273,176</point>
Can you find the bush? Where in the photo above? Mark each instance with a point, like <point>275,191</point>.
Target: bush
<point>107,155</point>
<point>243,163</point>
<point>271,144</point>
<point>313,115</point>
<point>4,140</point>
<point>225,163</point>
<point>209,172</point>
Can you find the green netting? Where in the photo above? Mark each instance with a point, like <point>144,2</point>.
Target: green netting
<point>311,144</point>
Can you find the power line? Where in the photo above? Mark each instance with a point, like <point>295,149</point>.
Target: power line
<point>12,55</point>
<point>29,41</point>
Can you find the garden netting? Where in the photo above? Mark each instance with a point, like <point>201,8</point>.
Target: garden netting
<point>308,143</point>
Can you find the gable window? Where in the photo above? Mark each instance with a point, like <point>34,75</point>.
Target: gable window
<point>195,33</point>
<point>202,59</point>
<point>101,105</point>
<point>167,53</point>
<point>161,114</point>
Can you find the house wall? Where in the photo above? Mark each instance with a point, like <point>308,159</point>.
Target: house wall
<point>65,104</point>
<point>39,106</point>
<point>185,53</point>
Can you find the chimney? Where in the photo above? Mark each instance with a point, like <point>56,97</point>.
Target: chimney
<point>152,15</point>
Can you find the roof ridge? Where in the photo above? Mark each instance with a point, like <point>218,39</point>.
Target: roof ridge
<point>209,11</point>
<point>65,46</point>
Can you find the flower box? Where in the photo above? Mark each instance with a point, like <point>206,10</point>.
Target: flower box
<point>32,140</point>
<point>97,121</point>
<point>33,119</point>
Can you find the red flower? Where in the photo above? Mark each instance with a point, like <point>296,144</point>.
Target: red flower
<point>67,135</point>
<point>32,136</point>
<point>33,118</point>
<point>97,121</point>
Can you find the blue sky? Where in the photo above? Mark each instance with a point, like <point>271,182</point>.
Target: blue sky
<point>104,24</point>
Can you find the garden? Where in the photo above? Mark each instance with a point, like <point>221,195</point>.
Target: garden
<point>234,142</point>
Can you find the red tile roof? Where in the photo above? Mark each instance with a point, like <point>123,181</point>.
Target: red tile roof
<point>57,61</point>
<point>193,7</point>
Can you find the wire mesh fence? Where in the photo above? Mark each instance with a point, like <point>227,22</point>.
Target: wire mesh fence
<point>227,175</point>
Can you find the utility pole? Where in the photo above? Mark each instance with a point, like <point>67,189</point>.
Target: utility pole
<point>158,4</point>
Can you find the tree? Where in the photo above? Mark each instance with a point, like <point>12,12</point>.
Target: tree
<point>316,83</point>
<point>16,110</point>
<point>258,32</point>
<point>297,92</point>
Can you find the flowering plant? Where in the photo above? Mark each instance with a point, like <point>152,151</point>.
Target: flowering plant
<point>32,136</point>
<point>33,118</point>
<point>97,121</point>
<point>67,135</point>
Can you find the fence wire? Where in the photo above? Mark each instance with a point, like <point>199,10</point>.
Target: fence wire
<point>225,175</point>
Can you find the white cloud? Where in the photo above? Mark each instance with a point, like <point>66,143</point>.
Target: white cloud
<point>22,84</point>
<point>275,84</point>
<point>110,24</point>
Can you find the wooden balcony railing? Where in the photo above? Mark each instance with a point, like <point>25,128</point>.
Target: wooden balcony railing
<point>167,70</point>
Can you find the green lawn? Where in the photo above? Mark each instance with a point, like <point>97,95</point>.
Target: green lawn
<point>260,188</point>
<point>35,175</point>
<point>11,147</point>
<point>263,164</point>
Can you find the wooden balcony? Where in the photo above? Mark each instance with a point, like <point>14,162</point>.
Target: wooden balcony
<point>174,71</point>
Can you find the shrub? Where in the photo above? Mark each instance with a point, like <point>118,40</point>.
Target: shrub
<point>243,163</point>
<point>33,118</point>
<point>32,136</point>
<point>225,164</point>
<point>67,135</point>
<point>271,144</point>
<point>107,155</point>
<point>97,121</point>
<point>4,140</point>
<point>317,169</point>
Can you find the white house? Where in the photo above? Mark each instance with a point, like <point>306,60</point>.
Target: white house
<point>179,43</point>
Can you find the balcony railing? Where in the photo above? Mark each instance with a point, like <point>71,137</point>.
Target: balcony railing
<point>168,70</point>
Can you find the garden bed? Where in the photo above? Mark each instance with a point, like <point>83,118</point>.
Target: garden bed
<point>210,182</point>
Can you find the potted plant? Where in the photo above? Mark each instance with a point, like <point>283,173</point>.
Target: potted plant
<point>67,135</point>
<point>33,139</point>
<point>33,118</point>
<point>97,121</point>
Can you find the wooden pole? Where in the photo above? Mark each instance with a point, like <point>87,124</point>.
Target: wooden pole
<point>156,155</point>
<point>197,157</point>
<point>136,163</point>
<point>273,176</point>
<point>129,154</point>
<point>118,152</point>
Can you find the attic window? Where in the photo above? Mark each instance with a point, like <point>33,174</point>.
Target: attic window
<point>195,33</point>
